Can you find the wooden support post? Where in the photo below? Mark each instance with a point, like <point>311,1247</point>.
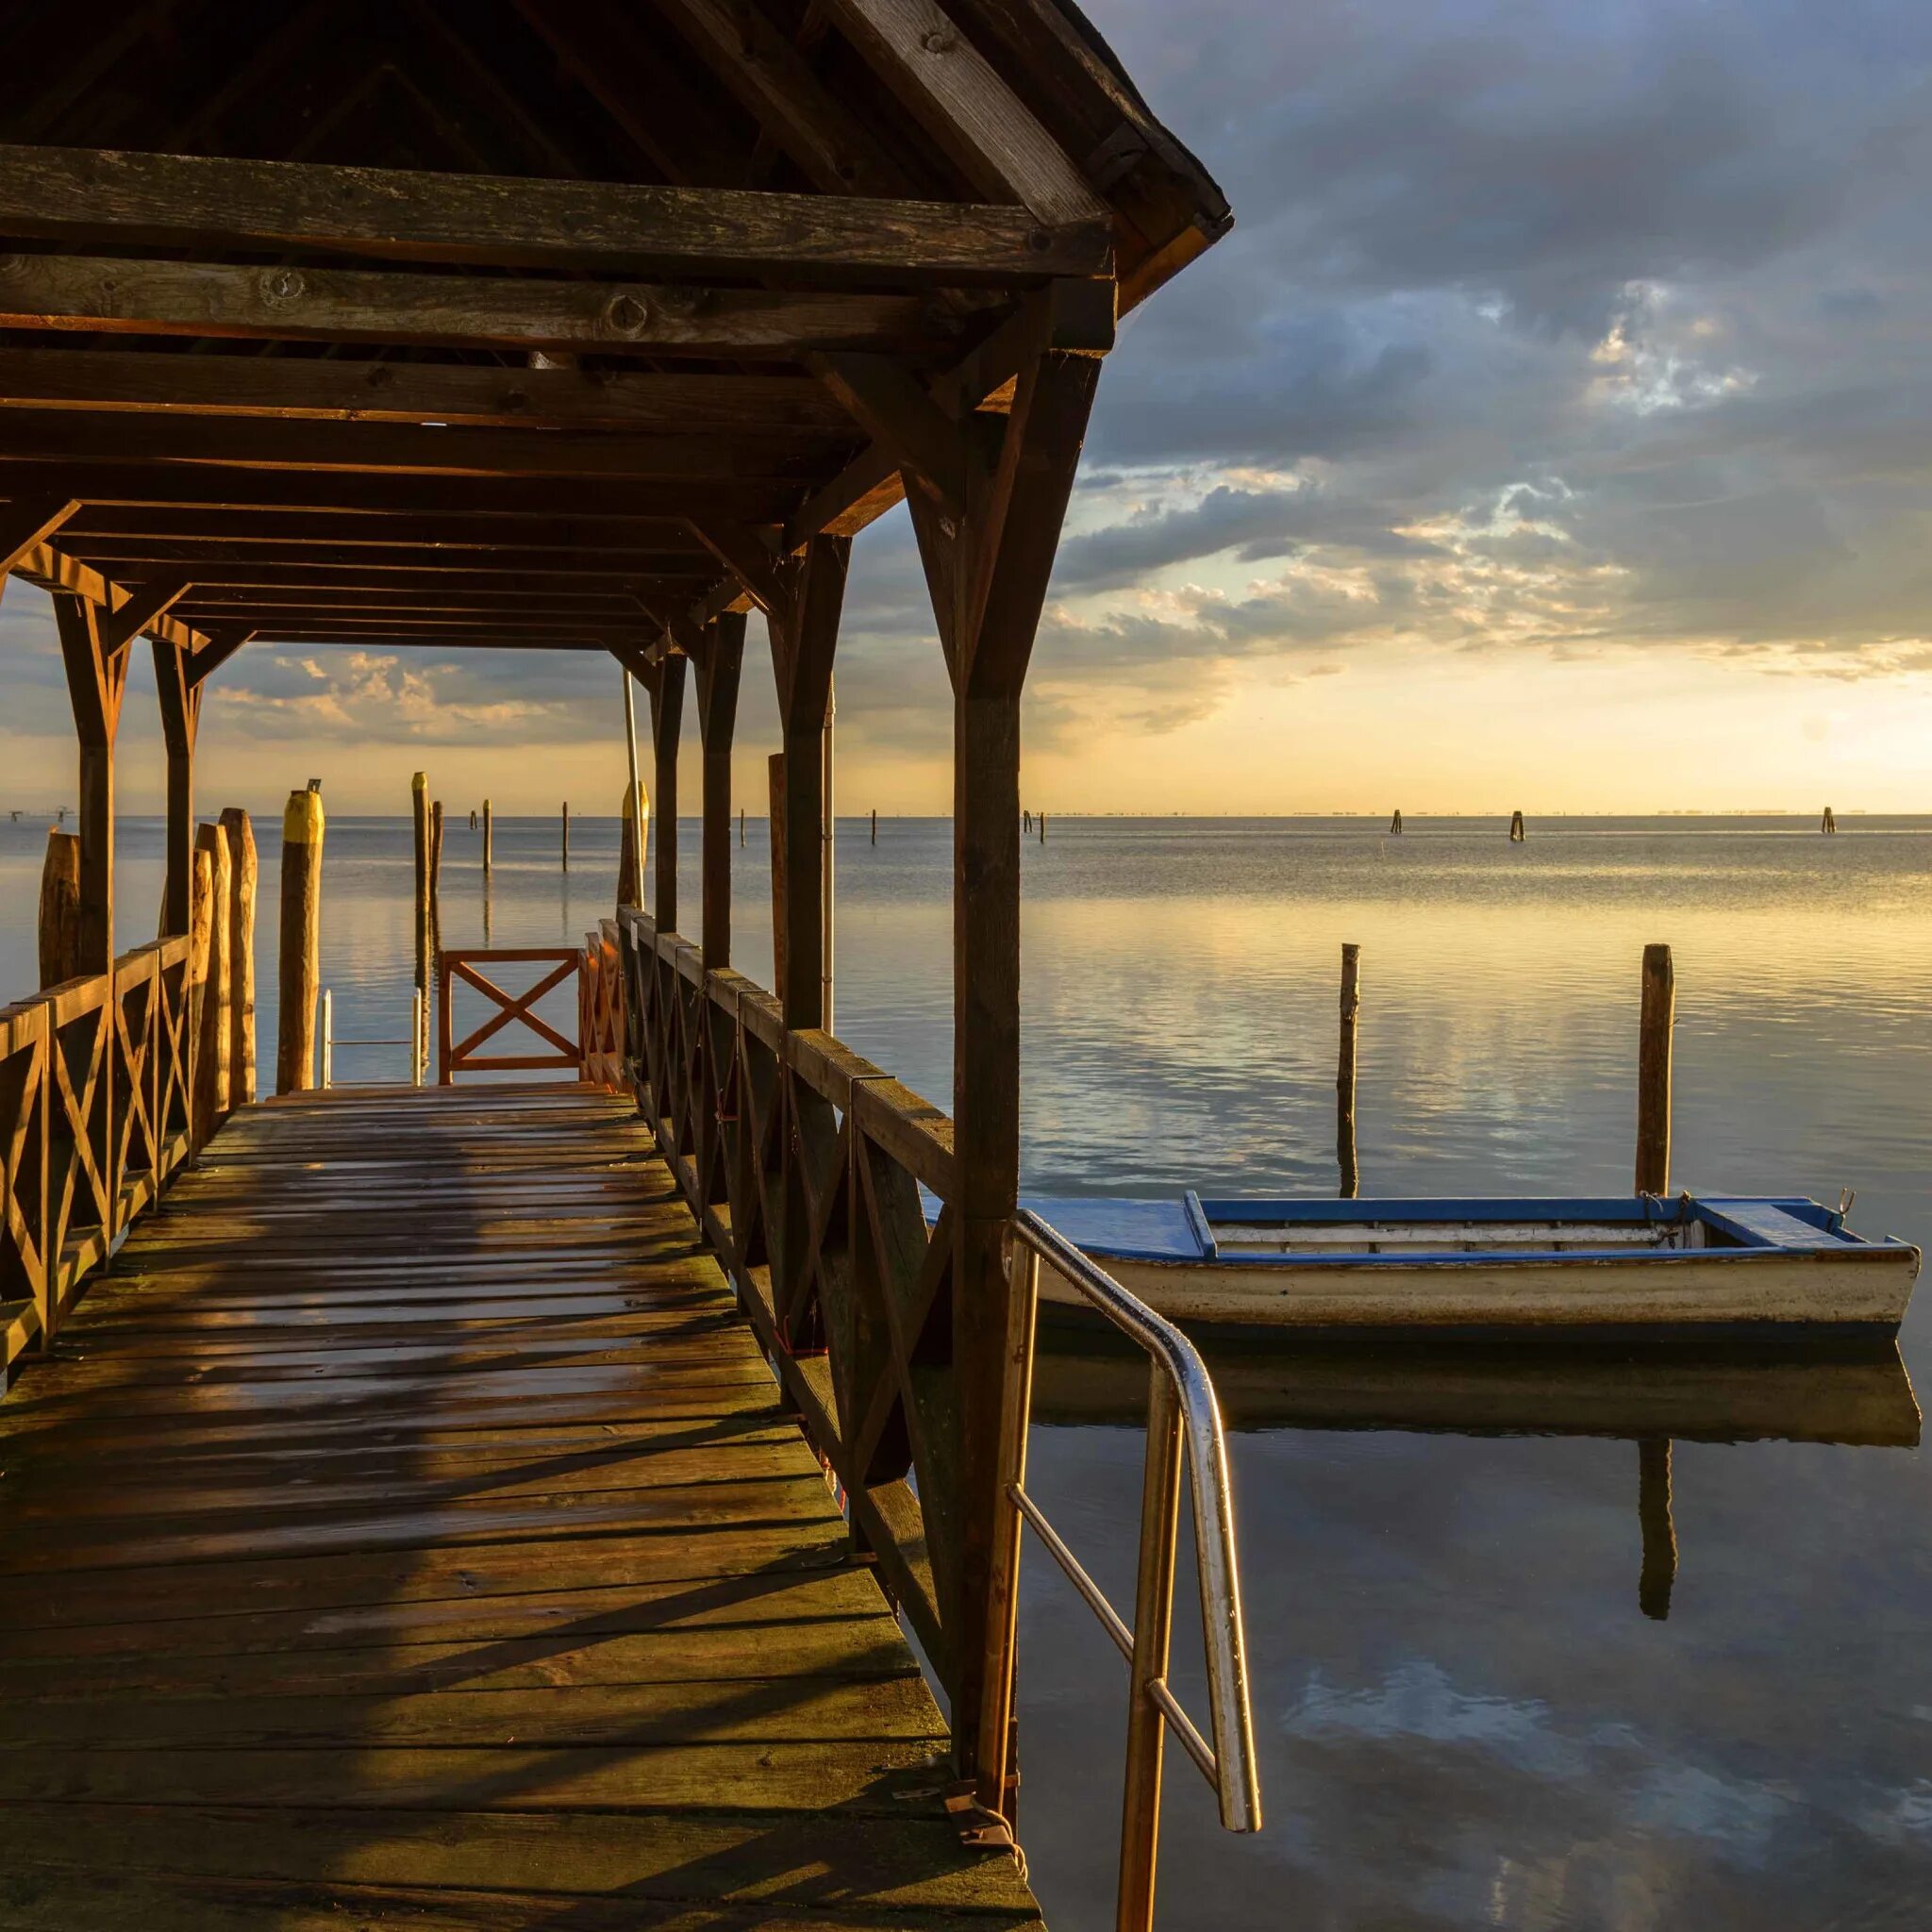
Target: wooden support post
<point>1395,823</point>
<point>419,823</point>
<point>488,839</point>
<point>1830,822</point>
<point>95,681</point>
<point>874,824</point>
<point>667,723</point>
<point>1659,1572</point>
<point>213,1030</point>
<point>634,830</point>
<point>774,769</point>
<point>201,921</point>
<point>435,888</point>
<point>180,706</point>
<point>1518,832</point>
<point>1656,1019</point>
<point>805,635</point>
<point>566,835</point>
<point>1344,1073</point>
<point>60,910</point>
<point>301,941</point>
<point>243,872</point>
<point>718,679</point>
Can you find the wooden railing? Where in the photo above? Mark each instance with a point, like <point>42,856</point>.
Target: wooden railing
<point>454,1055</point>
<point>601,1024</point>
<point>804,1163</point>
<point>93,1118</point>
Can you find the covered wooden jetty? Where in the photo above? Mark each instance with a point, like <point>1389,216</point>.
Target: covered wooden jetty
<point>526,324</point>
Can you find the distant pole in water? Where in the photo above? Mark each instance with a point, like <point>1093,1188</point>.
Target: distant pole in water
<point>741,824</point>
<point>874,824</point>
<point>1344,1073</point>
<point>1655,1024</point>
<point>1660,1533</point>
<point>419,818</point>
<point>473,821</point>
<point>1025,821</point>
<point>1830,824</point>
<point>1042,829</point>
<point>1517,833</point>
<point>1395,823</point>
<point>488,840</point>
<point>566,835</point>
<point>435,916</point>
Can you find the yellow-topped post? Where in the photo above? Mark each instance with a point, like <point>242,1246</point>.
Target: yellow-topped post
<point>301,929</point>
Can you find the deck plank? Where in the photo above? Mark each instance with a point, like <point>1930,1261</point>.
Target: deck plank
<point>408,1530</point>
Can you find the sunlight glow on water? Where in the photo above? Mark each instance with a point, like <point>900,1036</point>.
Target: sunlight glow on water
<point>1464,1717</point>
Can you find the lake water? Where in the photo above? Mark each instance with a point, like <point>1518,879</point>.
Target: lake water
<point>1465,1716</point>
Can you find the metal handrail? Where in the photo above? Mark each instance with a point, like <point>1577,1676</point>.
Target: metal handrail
<point>1181,1409</point>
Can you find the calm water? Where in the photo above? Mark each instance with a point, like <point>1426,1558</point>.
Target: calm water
<point>1465,1717</point>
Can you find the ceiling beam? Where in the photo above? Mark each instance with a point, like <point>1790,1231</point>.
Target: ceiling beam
<point>466,539</point>
<point>203,202</point>
<point>332,390</point>
<point>24,525</point>
<point>241,571</point>
<point>106,295</point>
<point>54,570</point>
<point>146,605</point>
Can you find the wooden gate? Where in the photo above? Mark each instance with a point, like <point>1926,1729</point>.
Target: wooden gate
<point>454,1056</point>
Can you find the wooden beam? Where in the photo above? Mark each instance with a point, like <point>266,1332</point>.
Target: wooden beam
<point>211,486</point>
<point>146,605</point>
<point>224,583</point>
<point>466,539</point>
<point>745,552</point>
<point>83,436</point>
<point>54,570</point>
<point>220,647</point>
<point>24,525</point>
<point>893,407</point>
<point>485,635</point>
<point>202,202</point>
<point>334,390</point>
<point>103,294</point>
<point>430,624</point>
<point>960,101</point>
<point>130,558</point>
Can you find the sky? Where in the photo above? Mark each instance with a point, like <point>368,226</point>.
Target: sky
<point>1554,431</point>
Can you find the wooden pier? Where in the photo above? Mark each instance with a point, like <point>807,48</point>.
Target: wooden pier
<point>408,1528</point>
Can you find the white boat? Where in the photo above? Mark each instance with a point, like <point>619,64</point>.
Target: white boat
<point>1708,1264</point>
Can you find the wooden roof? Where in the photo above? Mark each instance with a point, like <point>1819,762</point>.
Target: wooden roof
<point>533,322</point>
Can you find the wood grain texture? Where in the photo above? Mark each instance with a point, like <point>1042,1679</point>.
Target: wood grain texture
<point>415,1533</point>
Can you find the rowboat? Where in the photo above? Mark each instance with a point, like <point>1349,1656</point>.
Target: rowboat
<point>1707,1264</point>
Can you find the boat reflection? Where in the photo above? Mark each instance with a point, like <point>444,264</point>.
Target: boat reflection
<point>1651,1396</point>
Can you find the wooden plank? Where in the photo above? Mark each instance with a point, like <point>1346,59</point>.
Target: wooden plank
<point>182,201</point>
<point>103,294</point>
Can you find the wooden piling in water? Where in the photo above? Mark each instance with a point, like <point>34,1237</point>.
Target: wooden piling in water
<point>1659,1572</point>
<point>634,830</point>
<point>1042,829</point>
<point>301,941</point>
<point>775,769</point>
<point>1395,823</point>
<point>566,835</point>
<point>201,912</point>
<point>1518,832</point>
<point>874,824</point>
<point>435,892</point>
<point>741,825</point>
<point>211,930</point>
<point>419,824</point>
<point>244,881</point>
<point>1655,1020</point>
<point>1830,822</point>
<point>1344,1073</point>
<point>60,933</point>
<point>489,837</point>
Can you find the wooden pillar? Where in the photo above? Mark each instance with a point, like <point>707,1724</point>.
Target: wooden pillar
<point>301,937</point>
<point>1657,1018</point>
<point>634,817</point>
<point>60,933</point>
<point>718,679</point>
<point>244,870</point>
<point>201,917</point>
<point>435,886</point>
<point>419,825</point>
<point>1518,831</point>
<point>1344,1073</point>
<point>1395,823</point>
<point>212,929</point>
<point>489,839</point>
<point>566,835</point>
<point>95,681</point>
<point>774,774</point>
<point>667,723</point>
<point>805,635</point>
<point>180,705</point>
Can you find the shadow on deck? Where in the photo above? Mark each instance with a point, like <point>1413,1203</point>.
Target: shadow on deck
<point>408,1530</point>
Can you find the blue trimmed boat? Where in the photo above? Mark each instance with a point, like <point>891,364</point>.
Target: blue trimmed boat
<point>1707,1264</point>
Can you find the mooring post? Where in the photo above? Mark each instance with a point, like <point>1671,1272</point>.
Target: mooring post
<point>566,835</point>
<point>435,886</point>
<point>1517,831</point>
<point>243,878</point>
<point>874,824</point>
<point>774,769</point>
<point>1344,1071</point>
<point>211,929</point>
<point>1659,1570</point>
<point>301,941</point>
<point>60,910</point>
<point>1655,1021</point>
<point>489,837</point>
<point>1042,829</point>
<point>741,824</point>
<point>1830,824</point>
<point>201,912</point>
<point>419,821</point>
<point>1395,823</point>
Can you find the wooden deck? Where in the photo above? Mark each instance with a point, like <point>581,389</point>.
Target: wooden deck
<point>406,1532</point>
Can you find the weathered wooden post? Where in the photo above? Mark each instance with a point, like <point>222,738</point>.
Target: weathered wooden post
<point>566,835</point>
<point>1344,1074</point>
<point>96,679</point>
<point>1042,829</point>
<point>1659,1572</point>
<point>301,941</point>
<point>1395,823</point>
<point>60,910</point>
<point>741,824</point>
<point>488,839</point>
<point>213,1021</point>
<point>435,884</point>
<point>201,916</point>
<point>1518,833</point>
<point>243,878</point>
<point>634,830</point>
<point>775,767</point>
<point>874,824</point>
<point>718,674</point>
<point>419,825</point>
<point>1657,1018</point>
<point>1830,824</point>
<point>666,692</point>
<point>180,709</point>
